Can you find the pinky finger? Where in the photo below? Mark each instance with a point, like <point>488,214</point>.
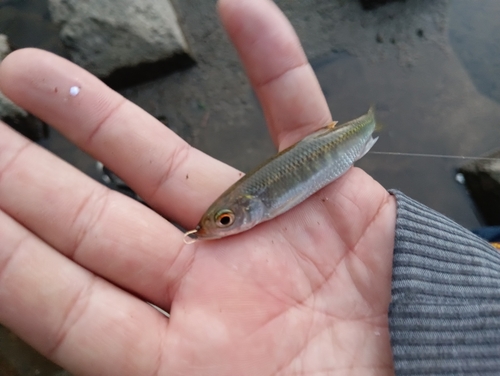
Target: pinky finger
<point>71,316</point>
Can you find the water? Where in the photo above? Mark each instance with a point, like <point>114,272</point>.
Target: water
<point>475,40</point>
<point>431,107</point>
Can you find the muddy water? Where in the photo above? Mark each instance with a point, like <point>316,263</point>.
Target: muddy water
<point>444,101</point>
<point>432,108</point>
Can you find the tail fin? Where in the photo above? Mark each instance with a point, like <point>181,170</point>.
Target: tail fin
<point>378,126</point>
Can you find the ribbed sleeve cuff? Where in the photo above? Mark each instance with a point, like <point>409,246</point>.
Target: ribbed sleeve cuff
<point>444,317</point>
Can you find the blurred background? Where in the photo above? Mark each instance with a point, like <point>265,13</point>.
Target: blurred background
<point>430,67</point>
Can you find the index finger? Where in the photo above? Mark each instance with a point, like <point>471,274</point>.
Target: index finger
<point>147,155</point>
<point>141,150</point>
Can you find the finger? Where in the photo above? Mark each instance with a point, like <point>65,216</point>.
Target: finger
<point>71,316</point>
<point>163,169</point>
<point>277,66</point>
<point>104,231</point>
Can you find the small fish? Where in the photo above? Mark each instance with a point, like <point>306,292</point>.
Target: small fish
<point>287,179</point>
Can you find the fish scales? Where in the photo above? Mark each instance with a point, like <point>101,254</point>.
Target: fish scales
<point>289,177</point>
<point>317,160</point>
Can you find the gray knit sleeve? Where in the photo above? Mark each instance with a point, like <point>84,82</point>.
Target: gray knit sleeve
<point>444,317</point>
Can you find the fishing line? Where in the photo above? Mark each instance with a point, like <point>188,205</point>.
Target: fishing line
<point>444,156</point>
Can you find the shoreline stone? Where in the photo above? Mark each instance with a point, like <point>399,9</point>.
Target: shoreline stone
<point>482,179</point>
<point>105,38</point>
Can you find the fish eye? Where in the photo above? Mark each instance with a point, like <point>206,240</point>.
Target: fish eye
<point>224,218</point>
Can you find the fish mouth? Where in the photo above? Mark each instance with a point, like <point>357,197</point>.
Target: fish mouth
<point>197,233</point>
<point>202,234</point>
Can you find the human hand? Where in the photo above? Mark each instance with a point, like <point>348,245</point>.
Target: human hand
<point>306,293</point>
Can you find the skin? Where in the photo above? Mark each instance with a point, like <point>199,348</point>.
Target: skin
<point>304,294</point>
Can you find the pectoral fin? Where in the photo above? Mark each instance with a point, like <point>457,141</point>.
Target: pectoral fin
<point>369,144</point>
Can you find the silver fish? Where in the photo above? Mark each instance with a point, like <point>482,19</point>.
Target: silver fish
<point>287,179</point>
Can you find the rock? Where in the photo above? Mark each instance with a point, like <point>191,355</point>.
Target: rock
<point>7,108</point>
<point>15,116</point>
<point>103,36</point>
<point>482,179</point>
<point>4,46</point>
<point>27,24</point>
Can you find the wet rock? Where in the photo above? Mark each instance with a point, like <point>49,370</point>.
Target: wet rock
<point>474,38</point>
<point>105,37</point>
<point>482,179</point>
<point>27,24</point>
<point>6,369</point>
<point>15,116</point>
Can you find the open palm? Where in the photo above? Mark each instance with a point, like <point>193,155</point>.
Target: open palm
<point>306,293</point>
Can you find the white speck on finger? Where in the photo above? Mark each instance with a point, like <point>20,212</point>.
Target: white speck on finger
<point>74,90</point>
